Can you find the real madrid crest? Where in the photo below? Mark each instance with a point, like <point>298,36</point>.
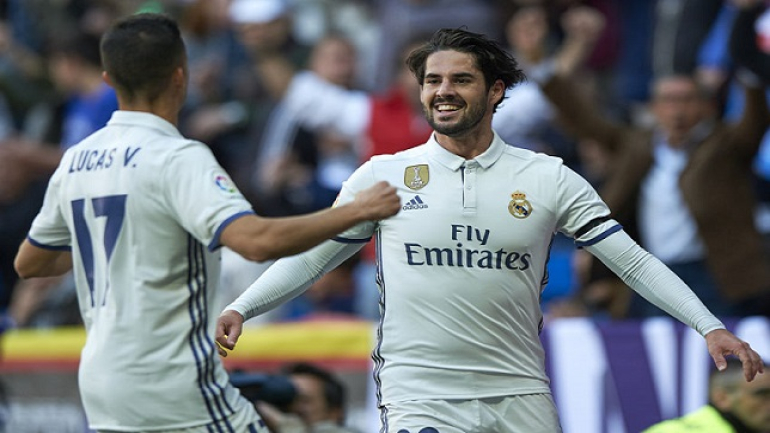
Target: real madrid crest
<point>519,207</point>
<point>416,176</point>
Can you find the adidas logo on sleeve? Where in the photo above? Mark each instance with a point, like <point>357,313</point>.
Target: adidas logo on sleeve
<point>414,204</point>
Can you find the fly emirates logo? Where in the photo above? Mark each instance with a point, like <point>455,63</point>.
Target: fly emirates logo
<point>468,252</point>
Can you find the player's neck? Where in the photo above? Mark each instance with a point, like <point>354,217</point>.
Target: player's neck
<point>469,145</point>
<point>161,108</point>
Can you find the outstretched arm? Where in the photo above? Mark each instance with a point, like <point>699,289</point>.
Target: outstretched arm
<point>259,239</point>
<point>654,281</point>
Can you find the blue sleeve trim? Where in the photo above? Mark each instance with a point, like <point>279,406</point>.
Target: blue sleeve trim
<point>351,241</point>
<point>603,235</point>
<point>215,241</point>
<point>49,247</point>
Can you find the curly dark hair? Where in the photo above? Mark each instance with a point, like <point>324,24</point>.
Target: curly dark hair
<point>493,61</point>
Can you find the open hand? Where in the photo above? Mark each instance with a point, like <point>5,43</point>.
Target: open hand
<point>722,342</point>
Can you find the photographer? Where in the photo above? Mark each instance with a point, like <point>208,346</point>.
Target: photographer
<point>304,398</point>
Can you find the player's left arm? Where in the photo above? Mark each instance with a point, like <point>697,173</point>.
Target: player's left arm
<point>33,261</point>
<point>654,281</point>
<point>585,217</point>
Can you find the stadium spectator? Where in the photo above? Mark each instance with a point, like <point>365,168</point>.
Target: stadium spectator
<point>299,169</point>
<point>737,29</point>
<point>403,21</point>
<point>382,122</point>
<point>319,406</point>
<point>462,267</point>
<point>243,86</point>
<point>531,40</point>
<point>677,168</point>
<point>734,406</point>
<point>123,210</point>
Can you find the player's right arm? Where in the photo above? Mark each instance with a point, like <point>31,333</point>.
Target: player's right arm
<point>259,239</point>
<point>33,261</point>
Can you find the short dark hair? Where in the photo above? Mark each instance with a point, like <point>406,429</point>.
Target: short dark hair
<point>493,61</point>
<point>141,52</point>
<point>334,390</point>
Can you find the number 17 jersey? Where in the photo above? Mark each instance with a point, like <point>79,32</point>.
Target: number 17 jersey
<point>141,209</point>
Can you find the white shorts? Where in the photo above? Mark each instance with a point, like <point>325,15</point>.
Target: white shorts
<point>245,420</point>
<point>532,413</point>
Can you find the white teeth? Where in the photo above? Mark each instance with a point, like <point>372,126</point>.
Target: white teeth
<point>447,107</point>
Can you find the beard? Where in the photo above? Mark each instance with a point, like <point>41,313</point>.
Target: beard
<point>464,123</point>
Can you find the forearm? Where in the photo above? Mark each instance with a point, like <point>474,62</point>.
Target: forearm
<point>581,117</point>
<point>572,55</point>
<point>290,277</point>
<point>260,239</point>
<point>649,277</point>
<point>755,119</point>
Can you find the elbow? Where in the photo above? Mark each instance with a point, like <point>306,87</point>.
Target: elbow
<point>23,270</point>
<point>260,252</point>
<point>252,238</point>
<point>257,256</point>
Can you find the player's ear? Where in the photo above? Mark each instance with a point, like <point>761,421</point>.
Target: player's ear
<point>497,92</point>
<point>180,77</point>
<point>107,79</point>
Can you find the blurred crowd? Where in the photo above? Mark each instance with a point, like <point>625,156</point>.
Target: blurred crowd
<point>292,95</point>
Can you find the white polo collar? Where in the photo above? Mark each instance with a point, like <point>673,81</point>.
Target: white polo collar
<point>454,162</point>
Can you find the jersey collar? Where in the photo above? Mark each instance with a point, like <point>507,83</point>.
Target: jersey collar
<point>454,162</point>
<point>141,118</point>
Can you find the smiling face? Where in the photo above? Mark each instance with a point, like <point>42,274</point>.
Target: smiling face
<point>455,96</point>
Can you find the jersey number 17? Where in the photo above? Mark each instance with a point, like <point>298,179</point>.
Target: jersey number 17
<point>112,207</point>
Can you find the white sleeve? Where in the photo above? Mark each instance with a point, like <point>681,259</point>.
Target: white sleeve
<point>316,103</point>
<point>653,280</point>
<point>289,277</point>
<point>200,194</point>
<point>579,205</point>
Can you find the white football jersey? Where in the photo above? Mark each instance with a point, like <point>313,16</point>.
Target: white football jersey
<point>141,208</point>
<point>461,268</point>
